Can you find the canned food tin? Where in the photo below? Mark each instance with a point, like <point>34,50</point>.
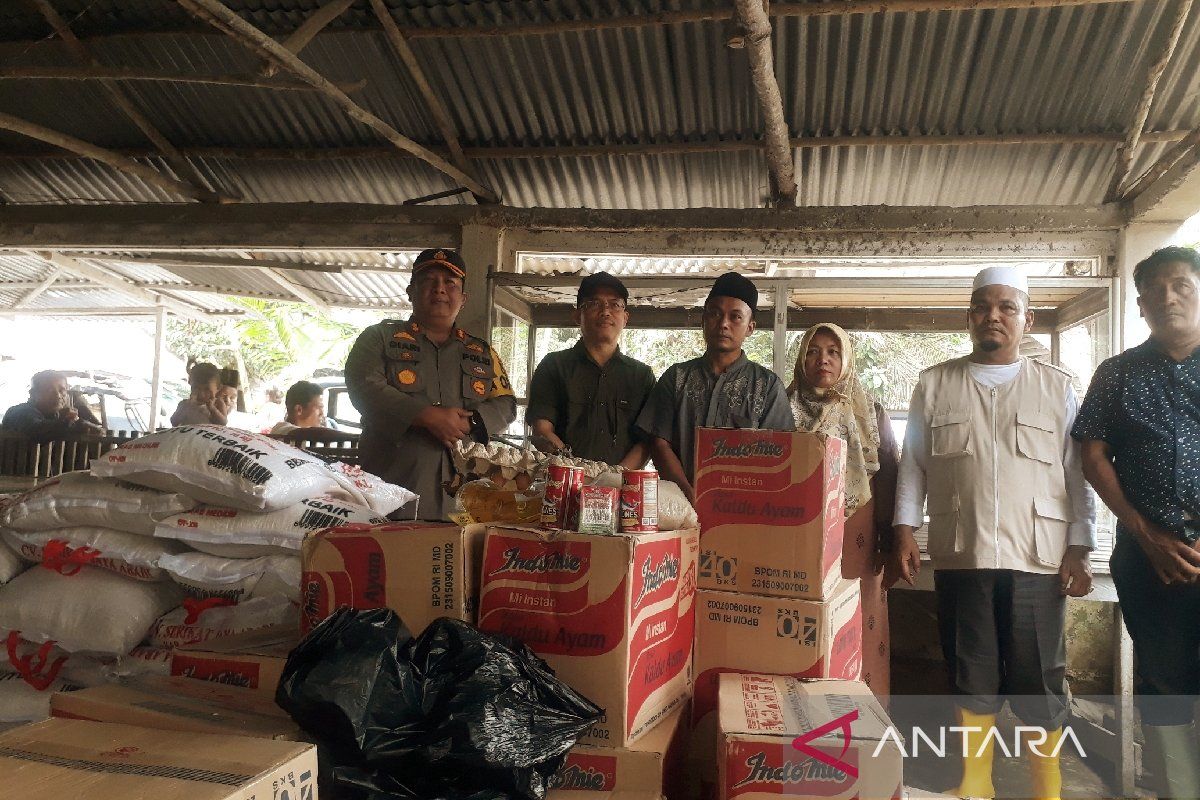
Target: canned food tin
<point>560,506</point>
<point>639,501</point>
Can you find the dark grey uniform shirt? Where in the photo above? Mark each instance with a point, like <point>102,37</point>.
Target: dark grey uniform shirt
<point>393,373</point>
<point>689,395</point>
<point>593,409</point>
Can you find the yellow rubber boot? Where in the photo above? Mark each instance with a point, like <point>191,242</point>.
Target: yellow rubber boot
<point>1044,773</point>
<point>977,760</point>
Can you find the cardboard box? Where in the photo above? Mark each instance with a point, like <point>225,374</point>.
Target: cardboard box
<point>827,739</point>
<point>745,633</point>
<point>771,508</point>
<point>421,570</point>
<point>62,758</point>
<point>612,615</point>
<point>647,770</point>
<point>178,704</point>
<point>877,640</point>
<point>250,660</point>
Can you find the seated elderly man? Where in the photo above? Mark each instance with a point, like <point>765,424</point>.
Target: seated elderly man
<point>51,412</point>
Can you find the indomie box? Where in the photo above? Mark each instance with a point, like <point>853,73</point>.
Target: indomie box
<point>252,660</point>
<point>612,615</point>
<point>771,507</point>
<point>422,571</point>
<point>647,770</point>
<point>827,739</point>
<point>746,633</point>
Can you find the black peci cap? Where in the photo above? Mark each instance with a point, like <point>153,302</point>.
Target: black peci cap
<point>600,280</point>
<point>737,286</point>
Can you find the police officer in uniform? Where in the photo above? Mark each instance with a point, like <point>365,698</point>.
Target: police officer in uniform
<point>423,384</point>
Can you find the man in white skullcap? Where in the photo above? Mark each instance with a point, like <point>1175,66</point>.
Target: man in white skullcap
<point>1011,524</point>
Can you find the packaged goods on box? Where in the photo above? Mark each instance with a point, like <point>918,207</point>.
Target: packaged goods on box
<point>251,660</point>
<point>828,739</point>
<point>80,499</point>
<point>179,704</point>
<point>772,635</point>
<point>62,758</point>
<point>612,615</point>
<point>219,465</point>
<point>771,508</point>
<point>422,571</point>
<point>648,769</point>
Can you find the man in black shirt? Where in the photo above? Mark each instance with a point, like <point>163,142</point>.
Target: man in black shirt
<point>588,398</point>
<point>1140,429</point>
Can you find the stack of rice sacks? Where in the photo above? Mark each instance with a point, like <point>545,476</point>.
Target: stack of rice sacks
<point>173,538</point>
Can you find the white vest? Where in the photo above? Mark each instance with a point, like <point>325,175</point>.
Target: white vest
<point>997,494</point>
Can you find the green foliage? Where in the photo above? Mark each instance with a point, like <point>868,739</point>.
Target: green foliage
<point>276,342</point>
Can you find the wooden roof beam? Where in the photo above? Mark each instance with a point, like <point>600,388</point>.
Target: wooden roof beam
<point>103,73</point>
<point>216,262</point>
<point>103,155</point>
<point>302,294</point>
<point>1128,148</point>
<point>725,144</point>
<point>316,22</point>
<point>222,18</point>
<point>1184,148</point>
<point>752,18</point>
<point>181,165</point>
<point>441,117</point>
<point>108,280</point>
<point>40,289</point>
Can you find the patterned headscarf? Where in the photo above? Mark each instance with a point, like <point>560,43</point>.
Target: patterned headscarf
<point>842,410</point>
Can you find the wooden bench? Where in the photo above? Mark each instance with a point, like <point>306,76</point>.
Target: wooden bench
<point>24,462</point>
<point>339,449</point>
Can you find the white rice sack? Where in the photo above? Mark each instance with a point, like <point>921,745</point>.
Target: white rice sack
<point>284,528</point>
<point>20,702</point>
<point>39,664</point>
<point>219,465</point>
<point>203,575</point>
<point>66,549</point>
<point>281,578</point>
<point>80,498</point>
<point>197,622</point>
<point>93,611</point>
<point>675,513</point>
<point>11,564</point>
<point>368,490</point>
<point>241,551</point>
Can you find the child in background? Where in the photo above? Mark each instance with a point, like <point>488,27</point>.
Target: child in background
<point>231,394</point>
<point>205,406</point>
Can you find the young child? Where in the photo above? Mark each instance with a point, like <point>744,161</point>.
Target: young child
<point>205,406</point>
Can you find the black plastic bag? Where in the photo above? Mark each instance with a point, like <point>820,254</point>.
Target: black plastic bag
<point>454,713</point>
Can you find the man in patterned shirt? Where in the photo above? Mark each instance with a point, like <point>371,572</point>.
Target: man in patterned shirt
<point>1140,429</point>
<point>720,389</point>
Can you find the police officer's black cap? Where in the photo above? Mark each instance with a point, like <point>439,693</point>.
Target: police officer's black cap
<point>600,280</point>
<point>735,285</point>
<point>442,257</point>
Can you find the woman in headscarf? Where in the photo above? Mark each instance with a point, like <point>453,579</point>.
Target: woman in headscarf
<point>828,398</point>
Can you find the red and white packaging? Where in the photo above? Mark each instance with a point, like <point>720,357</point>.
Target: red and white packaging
<point>771,507</point>
<point>251,660</point>
<point>598,510</point>
<point>67,549</point>
<point>219,465</point>
<point>612,615</point>
<point>202,620</point>
<point>560,505</point>
<point>420,570</point>
<point>738,633</point>
<point>639,501</point>
<point>649,769</point>
<point>811,739</point>
<point>205,526</point>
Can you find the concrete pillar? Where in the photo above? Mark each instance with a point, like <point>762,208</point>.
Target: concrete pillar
<point>1134,242</point>
<point>481,249</point>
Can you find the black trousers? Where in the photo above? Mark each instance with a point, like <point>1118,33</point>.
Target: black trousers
<point>1002,637</point>
<point>1164,623</point>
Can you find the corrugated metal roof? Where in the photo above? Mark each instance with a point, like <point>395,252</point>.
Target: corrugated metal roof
<point>1073,69</point>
